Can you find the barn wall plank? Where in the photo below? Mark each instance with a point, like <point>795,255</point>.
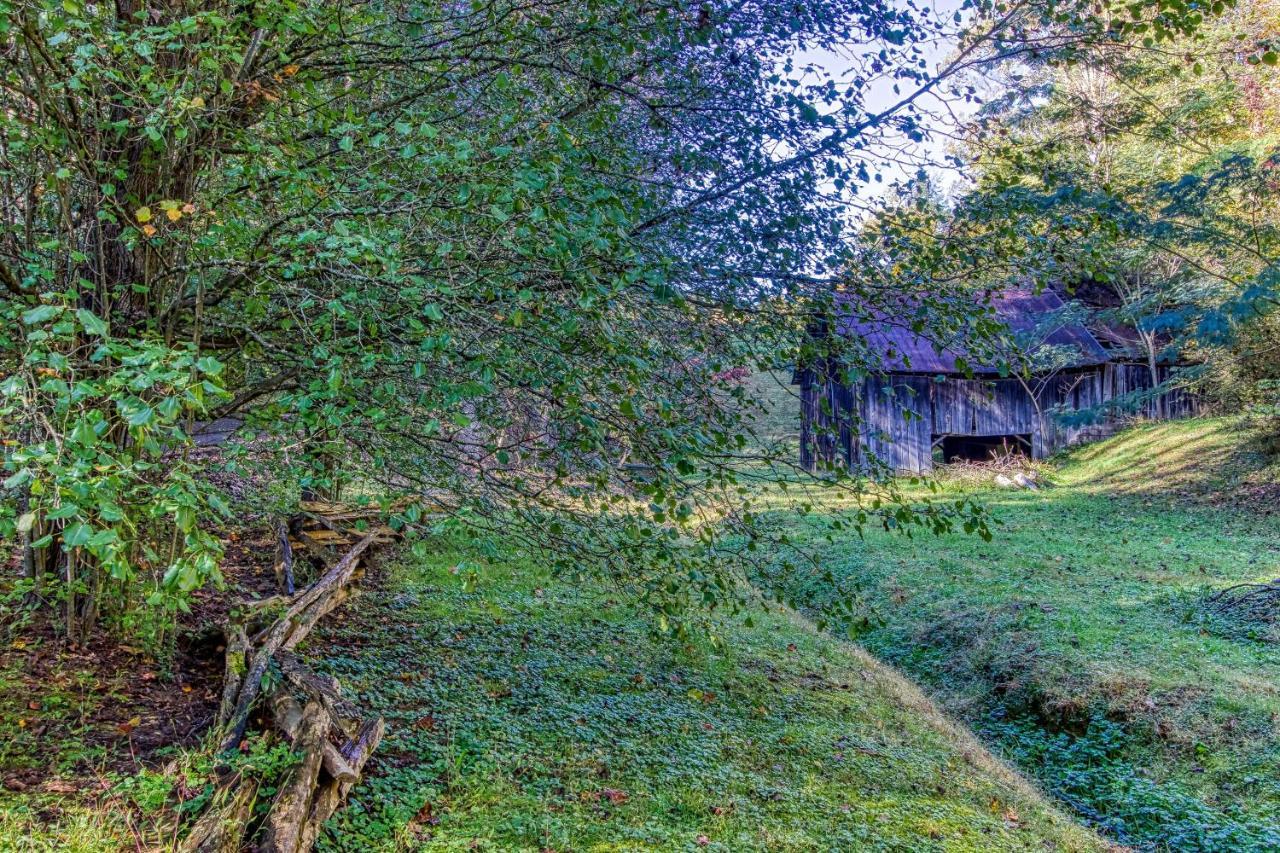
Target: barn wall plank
<point>850,425</point>
<point>951,413</point>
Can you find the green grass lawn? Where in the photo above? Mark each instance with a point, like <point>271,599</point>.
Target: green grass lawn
<point>1075,641</point>
<point>529,713</point>
<point>526,714</point>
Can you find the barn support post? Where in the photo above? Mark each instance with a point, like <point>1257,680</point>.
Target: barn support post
<point>808,418</point>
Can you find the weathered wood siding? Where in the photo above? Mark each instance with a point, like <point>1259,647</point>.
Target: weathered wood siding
<point>826,421</point>
<point>895,418</point>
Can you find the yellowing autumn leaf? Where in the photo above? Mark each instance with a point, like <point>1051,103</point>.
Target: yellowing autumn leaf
<point>142,214</point>
<point>149,230</point>
<point>174,214</point>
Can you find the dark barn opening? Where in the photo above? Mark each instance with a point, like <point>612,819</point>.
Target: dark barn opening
<point>982,448</point>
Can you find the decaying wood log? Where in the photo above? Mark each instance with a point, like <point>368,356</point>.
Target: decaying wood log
<point>324,688</point>
<point>284,567</point>
<point>331,795</point>
<point>291,627</point>
<point>293,801</point>
<point>236,663</point>
<point>288,716</point>
<point>319,553</point>
<point>308,618</point>
<point>325,774</point>
<point>220,830</point>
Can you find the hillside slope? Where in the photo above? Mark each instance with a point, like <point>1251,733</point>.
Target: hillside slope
<point>526,714</point>
<point>1078,641</point>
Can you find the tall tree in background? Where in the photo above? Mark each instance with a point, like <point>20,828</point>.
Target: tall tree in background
<point>1143,176</point>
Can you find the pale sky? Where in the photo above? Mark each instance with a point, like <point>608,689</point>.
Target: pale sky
<point>938,117</point>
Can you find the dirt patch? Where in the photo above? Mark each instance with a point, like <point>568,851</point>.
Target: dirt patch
<point>72,714</point>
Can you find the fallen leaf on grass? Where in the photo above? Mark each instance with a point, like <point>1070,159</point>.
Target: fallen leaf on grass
<point>427,815</point>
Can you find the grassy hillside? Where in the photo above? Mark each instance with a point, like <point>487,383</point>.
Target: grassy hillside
<point>528,715</point>
<point>1077,641</point>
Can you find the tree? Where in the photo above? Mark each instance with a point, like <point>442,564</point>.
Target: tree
<point>1142,177</point>
<point>466,251</point>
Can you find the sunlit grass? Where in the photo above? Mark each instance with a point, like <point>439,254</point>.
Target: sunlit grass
<point>528,714</point>
<point>1086,603</point>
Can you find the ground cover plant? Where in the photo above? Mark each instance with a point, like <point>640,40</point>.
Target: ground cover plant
<point>1077,641</point>
<point>527,714</point>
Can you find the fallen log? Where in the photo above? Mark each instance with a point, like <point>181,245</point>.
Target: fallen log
<point>317,550</point>
<point>288,717</point>
<point>221,830</point>
<point>318,784</point>
<point>284,567</point>
<point>329,797</point>
<point>293,801</point>
<point>237,653</point>
<point>292,626</point>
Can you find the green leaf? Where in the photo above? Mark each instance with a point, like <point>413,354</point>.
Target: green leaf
<point>209,365</point>
<point>92,323</point>
<point>77,535</point>
<point>83,433</point>
<point>41,314</point>
<point>219,505</point>
<point>103,537</point>
<point>18,479</point>
<point>67,510</point>
<point>141,417</point>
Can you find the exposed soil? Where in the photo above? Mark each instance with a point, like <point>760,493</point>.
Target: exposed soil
<point>73,714</point>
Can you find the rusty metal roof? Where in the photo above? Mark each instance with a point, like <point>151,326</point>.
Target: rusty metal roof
<point>903,350</point>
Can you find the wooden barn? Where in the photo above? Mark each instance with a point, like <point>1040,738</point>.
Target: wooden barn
<point>920,405</point>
